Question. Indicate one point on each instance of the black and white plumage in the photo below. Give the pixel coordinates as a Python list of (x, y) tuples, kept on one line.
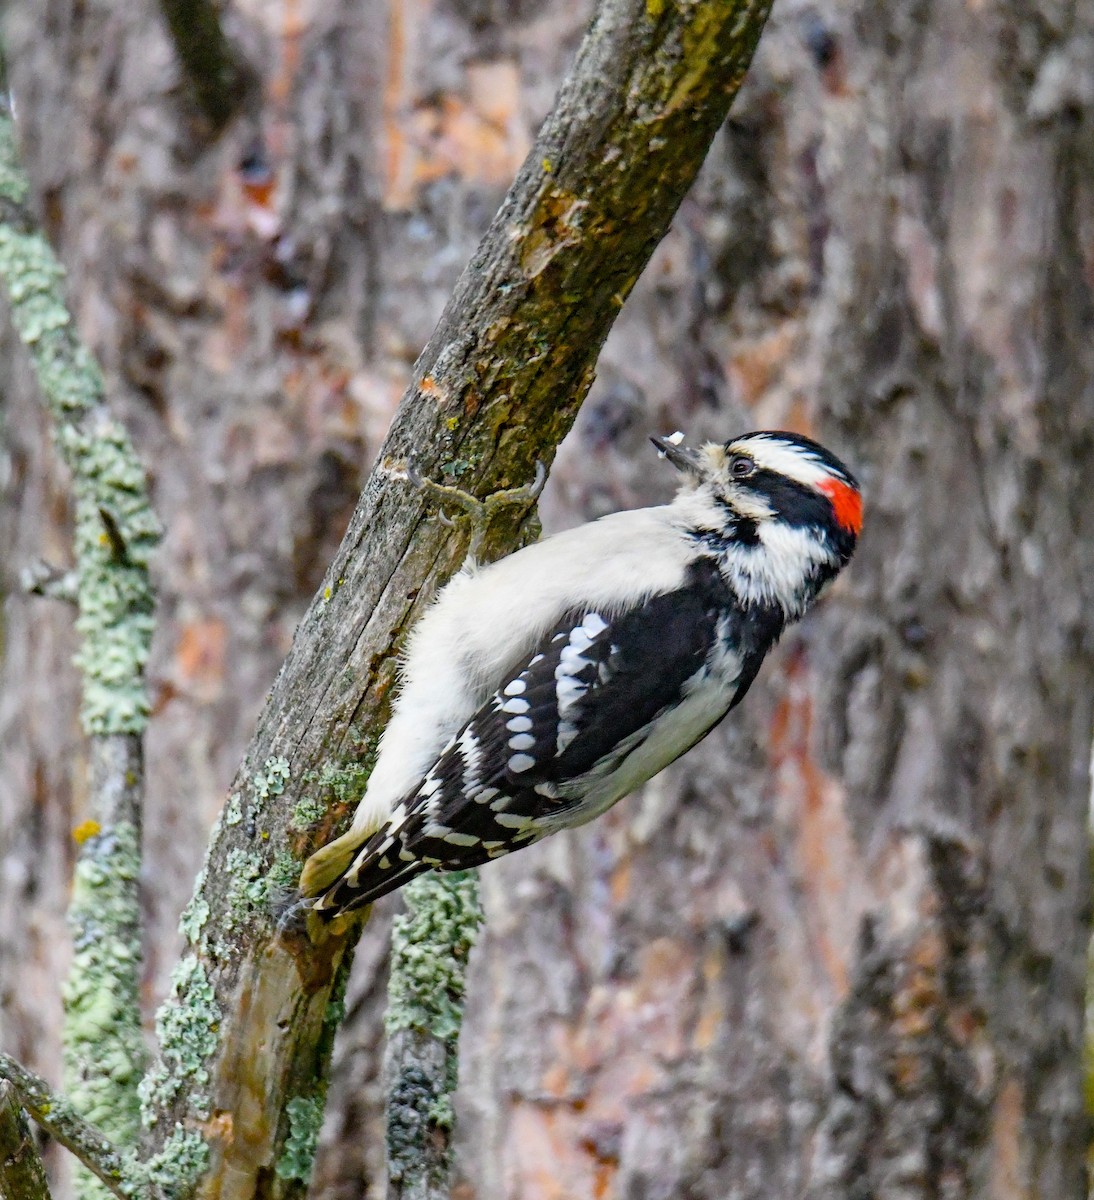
[(538, 691)]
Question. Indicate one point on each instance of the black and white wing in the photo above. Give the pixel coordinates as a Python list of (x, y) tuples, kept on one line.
[(601, 705)]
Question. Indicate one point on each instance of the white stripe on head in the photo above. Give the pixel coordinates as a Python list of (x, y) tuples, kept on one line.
[(796, 462)]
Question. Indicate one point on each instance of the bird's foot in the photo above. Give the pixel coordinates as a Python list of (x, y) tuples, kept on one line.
[(480, 513)]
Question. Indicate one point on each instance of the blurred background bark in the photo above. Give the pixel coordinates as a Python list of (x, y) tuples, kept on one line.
[(837, 951)]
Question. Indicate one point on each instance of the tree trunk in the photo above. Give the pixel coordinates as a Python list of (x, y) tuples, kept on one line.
[(839, 950)]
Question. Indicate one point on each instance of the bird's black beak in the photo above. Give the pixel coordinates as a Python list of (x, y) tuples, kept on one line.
[(681, 457)]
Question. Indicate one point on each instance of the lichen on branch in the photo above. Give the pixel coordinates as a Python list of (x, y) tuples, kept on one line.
[(430, 947), (115, 534)]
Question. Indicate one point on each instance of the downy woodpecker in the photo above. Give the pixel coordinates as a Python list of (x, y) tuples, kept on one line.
[(539, 690)]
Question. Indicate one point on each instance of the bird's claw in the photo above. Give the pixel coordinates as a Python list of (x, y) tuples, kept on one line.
[(479, 512)]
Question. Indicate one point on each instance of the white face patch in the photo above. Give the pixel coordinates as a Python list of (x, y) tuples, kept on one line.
[(773, 454), (780, 569)]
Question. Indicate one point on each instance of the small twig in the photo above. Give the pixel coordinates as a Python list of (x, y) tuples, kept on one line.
[(58, 1118), (118, 549), (22, 1176), (55, 583)]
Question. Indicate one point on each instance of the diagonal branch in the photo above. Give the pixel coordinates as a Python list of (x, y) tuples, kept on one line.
[(61, 1121), (247, 1034)]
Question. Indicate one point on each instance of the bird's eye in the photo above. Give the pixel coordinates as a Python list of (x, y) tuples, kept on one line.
[(741, 467)]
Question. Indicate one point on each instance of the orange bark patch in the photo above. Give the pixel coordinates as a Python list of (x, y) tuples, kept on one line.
[(754, 366), (712, 1014), (621, 882), (814, 804), (477, 134), (200, 655), (430, 387), (1007, 1176)]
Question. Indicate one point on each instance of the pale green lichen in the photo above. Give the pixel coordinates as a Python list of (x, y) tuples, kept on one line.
[(115, 527), (305, 1115), (187, 1027), (270, 781), (348, 781), (194, 916), (430, 946), (233, 810), (175, 1171), (247, 887), (104, 1050), (254, 887), (308, 812), (283, 874)]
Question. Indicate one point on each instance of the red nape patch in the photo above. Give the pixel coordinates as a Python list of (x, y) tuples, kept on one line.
[(846, 503)]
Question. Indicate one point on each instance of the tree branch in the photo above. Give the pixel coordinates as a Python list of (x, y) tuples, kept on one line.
[(430, 946), (60, 1120), (22, 1176), (496, 389), (115, 534)]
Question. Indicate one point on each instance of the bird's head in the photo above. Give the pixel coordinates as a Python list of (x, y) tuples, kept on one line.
[(781, 512)]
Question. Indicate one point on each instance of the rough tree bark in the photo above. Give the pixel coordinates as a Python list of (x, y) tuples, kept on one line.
[(245, 1036), (837, 952)]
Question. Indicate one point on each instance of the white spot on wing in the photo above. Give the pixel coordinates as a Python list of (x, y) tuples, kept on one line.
[(515, 687), (521, 741), (521, 762), (519, 724), (593, 624), (567, 693), (516, 705), (567, 731), (570, 662), (472, 757), (510, 821), (461, 839), (579, 639)]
